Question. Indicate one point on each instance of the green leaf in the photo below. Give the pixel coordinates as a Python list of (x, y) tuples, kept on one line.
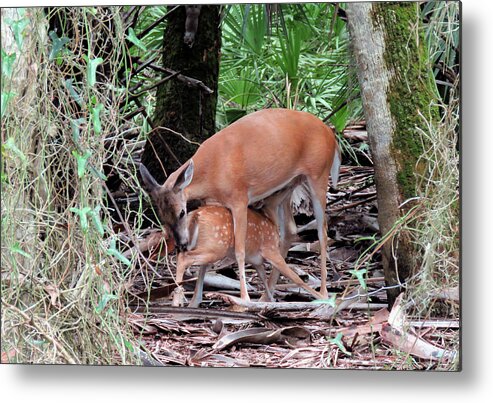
[(92, 65), (240, 87), (359, 274), (81, 161), (96, 220), (338, 342), (6, 97), (11, 146), (324, 103), (340, 118), (82, 213), (331, 301), (75, 124), (136, 41), (365, 238), (73, 92), (15, 248), (18, 30), (104, 301), (289, 57), (95, 112), (128, 345), (112, 251), (8, 63), (57, 44)]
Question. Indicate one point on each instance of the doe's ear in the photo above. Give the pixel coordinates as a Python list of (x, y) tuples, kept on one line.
[(150, 183), (184, 178)]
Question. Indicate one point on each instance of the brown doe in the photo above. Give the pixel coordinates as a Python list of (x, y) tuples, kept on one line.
[(246, 162)]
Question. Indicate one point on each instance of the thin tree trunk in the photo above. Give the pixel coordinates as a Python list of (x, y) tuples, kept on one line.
[(397, 92), (184, 108)]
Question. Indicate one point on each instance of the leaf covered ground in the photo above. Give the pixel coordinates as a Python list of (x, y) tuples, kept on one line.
[(295, 332)]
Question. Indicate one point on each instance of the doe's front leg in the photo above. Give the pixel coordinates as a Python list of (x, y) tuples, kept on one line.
[(240, 231)]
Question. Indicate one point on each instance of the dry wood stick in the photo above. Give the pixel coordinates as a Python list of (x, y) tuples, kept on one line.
[(191, 82), (193, 312), (348, 206)]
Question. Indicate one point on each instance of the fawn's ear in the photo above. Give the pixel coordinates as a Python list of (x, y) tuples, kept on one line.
[(184, 178), (150, 183)]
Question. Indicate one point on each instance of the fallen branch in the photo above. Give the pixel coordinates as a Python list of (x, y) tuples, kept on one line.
[(436, 324), (223, 282), (321, 309), (201, 313), (395, 332), (257, 306), (411, 344)]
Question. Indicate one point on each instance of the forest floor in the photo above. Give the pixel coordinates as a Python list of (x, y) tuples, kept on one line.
[(293, 332)]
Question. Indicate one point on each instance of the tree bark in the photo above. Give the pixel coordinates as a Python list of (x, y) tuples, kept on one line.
[(193, 50), (397, 92)]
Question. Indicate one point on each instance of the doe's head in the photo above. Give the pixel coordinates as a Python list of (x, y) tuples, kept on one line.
[(170, 201)]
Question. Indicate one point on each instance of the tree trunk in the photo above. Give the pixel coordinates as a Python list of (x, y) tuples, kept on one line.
[(193, 50), (397, 93)]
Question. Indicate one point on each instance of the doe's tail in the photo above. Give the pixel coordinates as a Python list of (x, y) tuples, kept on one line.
[(336, 165)]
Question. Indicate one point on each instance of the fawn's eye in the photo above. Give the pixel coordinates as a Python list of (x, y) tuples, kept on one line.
[(182, 213)]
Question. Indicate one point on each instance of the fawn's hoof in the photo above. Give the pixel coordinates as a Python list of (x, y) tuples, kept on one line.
[(178, 297)]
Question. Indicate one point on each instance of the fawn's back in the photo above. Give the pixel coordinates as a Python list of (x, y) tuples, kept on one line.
[(211, 230)]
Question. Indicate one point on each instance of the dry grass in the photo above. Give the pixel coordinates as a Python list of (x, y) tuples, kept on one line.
[(63, 293)]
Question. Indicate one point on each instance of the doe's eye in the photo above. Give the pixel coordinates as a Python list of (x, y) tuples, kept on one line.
[(182, 213)]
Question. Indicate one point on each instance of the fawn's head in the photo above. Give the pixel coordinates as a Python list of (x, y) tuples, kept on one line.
[(170, 201)]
